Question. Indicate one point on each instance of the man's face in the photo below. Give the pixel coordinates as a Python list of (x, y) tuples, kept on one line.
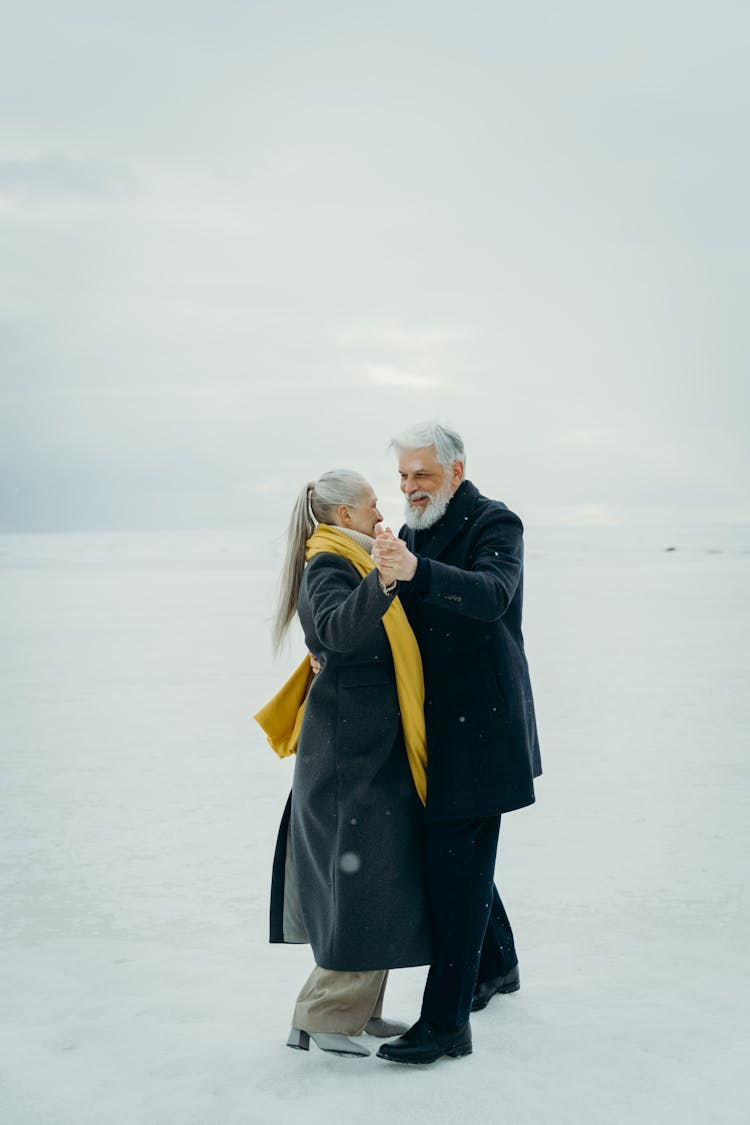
[(426, 485)]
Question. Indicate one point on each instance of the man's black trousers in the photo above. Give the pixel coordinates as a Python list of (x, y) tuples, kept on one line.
[(472, 932)]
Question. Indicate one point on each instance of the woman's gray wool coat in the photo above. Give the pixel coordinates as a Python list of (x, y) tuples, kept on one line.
[(349, 870)]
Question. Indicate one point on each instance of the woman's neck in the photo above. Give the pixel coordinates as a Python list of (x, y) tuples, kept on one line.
[(365, 541)]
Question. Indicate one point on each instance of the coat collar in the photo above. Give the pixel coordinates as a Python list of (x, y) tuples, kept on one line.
[(435, 540)]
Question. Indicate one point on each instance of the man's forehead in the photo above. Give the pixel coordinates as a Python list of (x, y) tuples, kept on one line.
[(418, 459)]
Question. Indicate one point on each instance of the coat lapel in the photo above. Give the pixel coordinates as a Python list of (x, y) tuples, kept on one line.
[(435, 540)]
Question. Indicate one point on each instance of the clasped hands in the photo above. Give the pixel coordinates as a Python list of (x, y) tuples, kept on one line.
[(392, 557)]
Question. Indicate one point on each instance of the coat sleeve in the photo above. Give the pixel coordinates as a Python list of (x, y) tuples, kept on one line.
[(345, 609), (485, 588)]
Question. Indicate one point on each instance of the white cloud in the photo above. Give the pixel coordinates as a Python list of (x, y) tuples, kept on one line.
[(405, 339), (387, 375)]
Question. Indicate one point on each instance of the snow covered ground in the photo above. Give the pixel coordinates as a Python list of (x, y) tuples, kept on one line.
[(139, 805)]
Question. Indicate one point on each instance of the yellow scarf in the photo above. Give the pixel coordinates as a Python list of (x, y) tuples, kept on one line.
[(281, 718)]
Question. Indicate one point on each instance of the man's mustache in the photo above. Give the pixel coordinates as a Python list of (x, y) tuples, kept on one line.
[(419, 496)]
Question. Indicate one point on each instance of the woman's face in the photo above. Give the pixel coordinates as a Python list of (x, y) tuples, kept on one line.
[(365, 516)]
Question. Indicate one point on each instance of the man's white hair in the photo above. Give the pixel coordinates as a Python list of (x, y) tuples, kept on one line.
[(447, 444)]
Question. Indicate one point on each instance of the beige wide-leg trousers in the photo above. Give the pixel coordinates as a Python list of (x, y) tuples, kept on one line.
[(339, 1002)]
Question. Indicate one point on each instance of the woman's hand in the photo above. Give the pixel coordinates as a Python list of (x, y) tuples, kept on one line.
[(385, 571)]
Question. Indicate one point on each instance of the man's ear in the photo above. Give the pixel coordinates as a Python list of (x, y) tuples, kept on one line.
[(457, 474)]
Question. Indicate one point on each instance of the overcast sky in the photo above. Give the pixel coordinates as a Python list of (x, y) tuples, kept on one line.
[(244, 242)]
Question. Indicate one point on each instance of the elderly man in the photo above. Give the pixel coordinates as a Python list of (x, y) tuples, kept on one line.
[(459, 564)]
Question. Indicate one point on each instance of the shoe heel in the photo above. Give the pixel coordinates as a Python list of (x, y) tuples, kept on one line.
[(298, 1039), (460, 1052), (514, 983)]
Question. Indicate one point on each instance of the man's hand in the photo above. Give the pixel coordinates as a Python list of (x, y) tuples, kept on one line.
[(393, 558)]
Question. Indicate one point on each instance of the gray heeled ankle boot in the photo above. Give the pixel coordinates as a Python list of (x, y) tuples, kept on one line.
[(326, 1041)]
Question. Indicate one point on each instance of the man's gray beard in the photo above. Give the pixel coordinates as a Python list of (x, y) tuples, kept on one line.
[(434, 511)]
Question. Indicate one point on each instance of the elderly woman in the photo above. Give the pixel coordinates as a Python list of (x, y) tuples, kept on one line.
[(348, 871)]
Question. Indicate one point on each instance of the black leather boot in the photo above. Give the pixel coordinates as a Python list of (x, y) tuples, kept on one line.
[(426, 1043), (484, 992)]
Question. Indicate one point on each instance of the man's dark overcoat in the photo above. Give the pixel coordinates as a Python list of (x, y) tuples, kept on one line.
[(464, 605), (349, 866)]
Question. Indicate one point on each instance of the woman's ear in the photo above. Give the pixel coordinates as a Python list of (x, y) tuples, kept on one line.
[(342, 514)]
